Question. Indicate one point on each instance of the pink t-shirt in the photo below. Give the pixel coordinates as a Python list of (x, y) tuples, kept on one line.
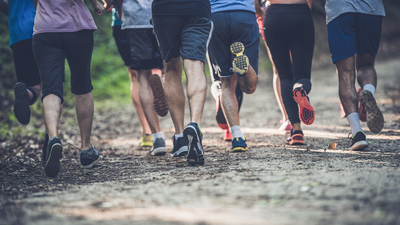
[(62, 16)]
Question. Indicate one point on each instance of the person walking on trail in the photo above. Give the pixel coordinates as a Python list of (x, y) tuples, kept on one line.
[(354, 32), (122, 43), (183, 29), (286, 126), (57, 35), (234, 44), (145, 56), (289, 33), (21, 16)]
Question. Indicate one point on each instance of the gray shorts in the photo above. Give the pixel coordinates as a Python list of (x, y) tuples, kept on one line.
[(187, 37), (145, 54)]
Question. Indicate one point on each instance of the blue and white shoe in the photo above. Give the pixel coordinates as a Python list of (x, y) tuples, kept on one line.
[(53, 156), (180, 147), (158, 148), (89, 157), (239, 144), (193, 135)]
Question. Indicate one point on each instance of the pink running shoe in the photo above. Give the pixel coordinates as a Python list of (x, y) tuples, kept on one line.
[(228, 135), (286, 126)]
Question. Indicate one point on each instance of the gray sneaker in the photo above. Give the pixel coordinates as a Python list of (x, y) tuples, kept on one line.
[(375, 118), (158, 148)]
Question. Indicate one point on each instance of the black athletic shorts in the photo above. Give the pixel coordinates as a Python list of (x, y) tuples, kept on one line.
[(25, 64)]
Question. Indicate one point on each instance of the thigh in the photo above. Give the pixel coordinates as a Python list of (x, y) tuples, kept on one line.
[(302, 46), (50, 60), (25, 64), (168, 34), (144, 50), (78, 47), (195, 36), (218, 48), (277, 37), (342, 36), (244, 28), (369, 29)]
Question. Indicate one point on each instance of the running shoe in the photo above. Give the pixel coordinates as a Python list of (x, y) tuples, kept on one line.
[(239, 144), (194, 137), (21, 105), (160, 104), (286, 126), (240, 62), (306, 111), (44, 149), (296, 138), (228, 135), (375, 118), (180, 147), (358, 141), (361, 111), (89, 157), (146, 141), (219, 114), (53, 156), (158, 147)]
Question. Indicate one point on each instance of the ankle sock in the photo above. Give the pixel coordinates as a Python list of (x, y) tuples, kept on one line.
[(354, 121), (158, 135), (236, 132), (370, 88), (34, 95), (178, 136)]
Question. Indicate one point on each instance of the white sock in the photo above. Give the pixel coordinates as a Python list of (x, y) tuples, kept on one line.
[(236, 132), (354, 121), (370, 88), (158, 135), (178, 136)]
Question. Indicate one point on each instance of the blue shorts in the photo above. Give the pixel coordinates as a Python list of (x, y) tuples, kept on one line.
[(230, 27), (350, 33), (121, 40), (187, 37)]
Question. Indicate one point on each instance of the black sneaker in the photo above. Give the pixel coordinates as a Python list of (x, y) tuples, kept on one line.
[(53, 156), (89, 157), (44, 149), (194, 138), (158, 147), (180, 147), (358, 141), (21, 105)]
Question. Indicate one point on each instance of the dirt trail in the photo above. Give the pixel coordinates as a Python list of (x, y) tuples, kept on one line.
[(272, 183)]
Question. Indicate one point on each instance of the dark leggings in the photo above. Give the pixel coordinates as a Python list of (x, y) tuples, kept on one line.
[(289, 33)]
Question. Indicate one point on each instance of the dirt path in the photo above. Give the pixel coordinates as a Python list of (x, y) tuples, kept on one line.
[(270, 184)]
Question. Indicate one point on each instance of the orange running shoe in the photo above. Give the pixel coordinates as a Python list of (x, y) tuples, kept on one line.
[(296, 138), (228, 135), (306, 111)]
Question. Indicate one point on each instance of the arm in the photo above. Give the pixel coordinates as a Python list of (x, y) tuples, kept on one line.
[(107, 5), (4, 7), (259, 11), (118, 5), (97, 6)]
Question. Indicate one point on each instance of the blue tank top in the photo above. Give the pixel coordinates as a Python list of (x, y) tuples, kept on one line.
[(21, 18)]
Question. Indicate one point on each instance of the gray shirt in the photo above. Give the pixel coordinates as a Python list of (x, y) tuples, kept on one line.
[(136, 14), (335, 8)]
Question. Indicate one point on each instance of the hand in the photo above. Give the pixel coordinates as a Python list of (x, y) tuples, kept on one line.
[(107, 5), (98, 7)]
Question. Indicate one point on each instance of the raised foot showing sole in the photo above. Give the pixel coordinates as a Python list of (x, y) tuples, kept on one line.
[(375, 118), (21, 105), (160, 104), (306, 111), (52, 166)]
